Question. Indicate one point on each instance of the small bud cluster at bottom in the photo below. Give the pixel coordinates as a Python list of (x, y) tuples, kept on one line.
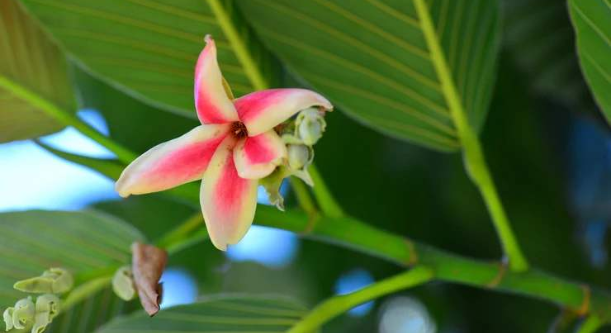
[(35, 316)]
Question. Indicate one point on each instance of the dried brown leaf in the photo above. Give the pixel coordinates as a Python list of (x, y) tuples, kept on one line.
[(148, 263)]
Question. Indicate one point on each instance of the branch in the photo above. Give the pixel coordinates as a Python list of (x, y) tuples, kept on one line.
[(356, 235), (340, 304)]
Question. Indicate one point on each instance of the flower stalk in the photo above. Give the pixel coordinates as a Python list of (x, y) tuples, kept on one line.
[(337, 305)]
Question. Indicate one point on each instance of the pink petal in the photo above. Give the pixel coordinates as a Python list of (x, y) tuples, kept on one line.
[(228, 201), (263, 110), (211, 101), (257, 156), (172, 163)]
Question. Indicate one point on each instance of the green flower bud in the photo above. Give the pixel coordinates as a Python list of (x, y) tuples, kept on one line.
[(298, 156), (123, 283), (63, 280), (8, 318), (299, 159), (48, 303), (310, 125), (52, 281), (41, 321), (23, 315)]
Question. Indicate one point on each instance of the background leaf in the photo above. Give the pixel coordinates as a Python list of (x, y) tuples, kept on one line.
[(259, 314), (538, 35), (372, 60), (31, 61), (593, 26), (147, 47), (82, 242)]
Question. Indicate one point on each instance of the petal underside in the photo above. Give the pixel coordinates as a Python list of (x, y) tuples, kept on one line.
[(263, 110), (228, 201), (172, 163)]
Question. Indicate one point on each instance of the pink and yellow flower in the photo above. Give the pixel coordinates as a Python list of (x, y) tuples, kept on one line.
[(234, 147)]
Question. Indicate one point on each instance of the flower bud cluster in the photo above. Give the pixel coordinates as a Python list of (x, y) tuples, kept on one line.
[(36, 315), (300, 135)]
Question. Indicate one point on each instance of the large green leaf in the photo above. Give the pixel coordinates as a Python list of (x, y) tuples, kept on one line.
[(259, 314), (82, 242), (592, 21), (538, 34), (30, 62), (375, 59), (149, 47)]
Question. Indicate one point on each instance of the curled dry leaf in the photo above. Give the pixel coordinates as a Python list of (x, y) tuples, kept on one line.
[(148, 263)]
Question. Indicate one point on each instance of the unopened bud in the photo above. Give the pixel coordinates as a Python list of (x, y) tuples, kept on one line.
[(298, 156), (23, 314), (48, 303), (123, 283), (41, 321), (310, 126)]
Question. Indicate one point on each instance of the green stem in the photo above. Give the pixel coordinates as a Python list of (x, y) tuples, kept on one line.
[(590, 325), (474, 157), (84, 291), (340, 304), (239, 45), (303, 196), (178, 238), (325, 199), (337, 305), (66, 118)]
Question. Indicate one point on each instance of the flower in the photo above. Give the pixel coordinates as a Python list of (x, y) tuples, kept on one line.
[(235, 146)]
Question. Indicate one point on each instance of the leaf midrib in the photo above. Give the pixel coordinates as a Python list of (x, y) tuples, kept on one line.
[(239, 46), (448, 87)]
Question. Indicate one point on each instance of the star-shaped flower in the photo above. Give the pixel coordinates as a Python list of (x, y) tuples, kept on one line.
[(235, 146)]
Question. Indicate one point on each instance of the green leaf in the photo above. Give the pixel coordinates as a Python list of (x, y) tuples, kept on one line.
[(591, 19), (149, 48), (81, 242), (375, 59), (31, 63), (539, 37), (259, 314)]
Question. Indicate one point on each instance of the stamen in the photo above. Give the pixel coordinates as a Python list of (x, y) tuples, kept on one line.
[(239, 129)]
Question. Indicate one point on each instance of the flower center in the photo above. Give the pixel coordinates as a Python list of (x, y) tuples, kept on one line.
[(239, 129)]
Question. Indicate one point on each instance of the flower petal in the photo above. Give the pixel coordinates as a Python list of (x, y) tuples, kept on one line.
[(211, 101), (257, 156), (172, 163), (228, 201), (263, 110)]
